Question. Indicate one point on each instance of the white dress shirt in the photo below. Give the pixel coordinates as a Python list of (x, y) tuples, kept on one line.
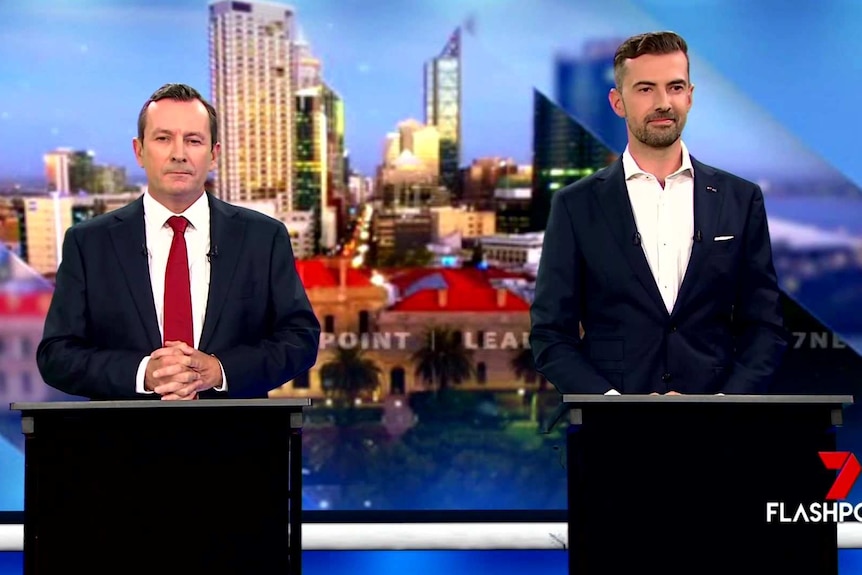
[(665, 221), (159, 236)]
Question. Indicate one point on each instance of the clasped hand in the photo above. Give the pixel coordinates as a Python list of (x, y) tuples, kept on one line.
[(179, 371)]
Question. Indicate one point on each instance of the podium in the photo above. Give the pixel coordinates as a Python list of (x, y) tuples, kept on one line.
[(145, 486), (680, 484)]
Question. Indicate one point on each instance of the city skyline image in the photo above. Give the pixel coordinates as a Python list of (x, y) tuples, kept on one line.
[(377, 92), (99, 60)]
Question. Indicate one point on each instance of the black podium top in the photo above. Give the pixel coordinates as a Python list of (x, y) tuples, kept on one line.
[(572, 398), (147, 404), (574, 403)]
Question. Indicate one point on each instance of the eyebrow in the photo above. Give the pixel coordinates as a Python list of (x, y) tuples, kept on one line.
[(671, 83), (187, 134)]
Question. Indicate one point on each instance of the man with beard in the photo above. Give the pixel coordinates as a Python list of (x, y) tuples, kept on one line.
[(656, 273)]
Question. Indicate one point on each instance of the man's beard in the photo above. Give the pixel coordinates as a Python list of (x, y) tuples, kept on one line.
[(655, 137)]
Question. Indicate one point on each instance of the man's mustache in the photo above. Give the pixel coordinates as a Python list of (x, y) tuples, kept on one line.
[(661, 116)]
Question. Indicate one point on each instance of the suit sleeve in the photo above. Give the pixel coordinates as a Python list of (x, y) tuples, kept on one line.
[(66, 357), (761, 339), (292, 344), (555, 313)]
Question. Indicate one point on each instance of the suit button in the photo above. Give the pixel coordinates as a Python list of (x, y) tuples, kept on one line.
[(672, 328), (665, 377)]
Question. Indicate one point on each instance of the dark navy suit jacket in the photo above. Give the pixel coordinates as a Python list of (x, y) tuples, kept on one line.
[(102, 320), (725, 332)]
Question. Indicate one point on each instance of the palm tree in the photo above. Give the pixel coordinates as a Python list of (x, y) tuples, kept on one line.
[(443, 360), (524, 366), (349, 374)]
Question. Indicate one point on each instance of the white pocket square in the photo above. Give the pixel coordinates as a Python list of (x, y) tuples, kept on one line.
[(722, 238)]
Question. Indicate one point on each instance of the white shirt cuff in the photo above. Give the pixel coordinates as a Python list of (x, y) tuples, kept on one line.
[(612, 392), (139, 378), (223, 386)]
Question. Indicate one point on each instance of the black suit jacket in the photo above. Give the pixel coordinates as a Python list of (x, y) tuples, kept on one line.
[(102, 319), (725, 333)]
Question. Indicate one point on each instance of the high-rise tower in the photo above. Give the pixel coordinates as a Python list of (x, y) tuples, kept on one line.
[(253, 93)]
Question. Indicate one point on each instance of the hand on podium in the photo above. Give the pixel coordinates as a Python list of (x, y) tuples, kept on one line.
[(668, 393), (172, 373), (206, 372)]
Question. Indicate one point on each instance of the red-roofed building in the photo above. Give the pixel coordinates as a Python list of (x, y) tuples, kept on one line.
[(23, 307), (491, 320), (29, 306), (346, 302)]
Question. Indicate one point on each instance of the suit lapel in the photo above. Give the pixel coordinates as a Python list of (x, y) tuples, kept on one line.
[(708, 199), (227, 233), (614, 200), (129, 239)]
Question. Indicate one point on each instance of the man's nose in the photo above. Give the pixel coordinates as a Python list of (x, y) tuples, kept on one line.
[(178, 151), (662, 102)]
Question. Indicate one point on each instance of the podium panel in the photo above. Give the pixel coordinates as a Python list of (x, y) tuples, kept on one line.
[(207, 486), (680, 484)]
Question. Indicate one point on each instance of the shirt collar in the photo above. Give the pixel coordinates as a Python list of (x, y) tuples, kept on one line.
[(631, 168), (157, 215)]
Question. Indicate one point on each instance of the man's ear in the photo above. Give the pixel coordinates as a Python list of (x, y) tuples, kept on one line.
[(138, 148), (615, 98), (214, 156)]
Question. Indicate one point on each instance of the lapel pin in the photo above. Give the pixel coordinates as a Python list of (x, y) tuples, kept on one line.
[(710, 189)]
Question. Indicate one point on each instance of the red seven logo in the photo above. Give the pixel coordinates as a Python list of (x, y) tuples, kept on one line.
[(849, 468)]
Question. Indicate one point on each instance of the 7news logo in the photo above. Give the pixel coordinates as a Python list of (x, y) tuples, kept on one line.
[(833, 509)]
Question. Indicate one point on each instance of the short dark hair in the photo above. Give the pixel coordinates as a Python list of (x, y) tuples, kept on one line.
[(647, 43), (183, 93)]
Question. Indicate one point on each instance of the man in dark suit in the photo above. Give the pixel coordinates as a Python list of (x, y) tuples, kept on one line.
[(664, 262), (177, 295)]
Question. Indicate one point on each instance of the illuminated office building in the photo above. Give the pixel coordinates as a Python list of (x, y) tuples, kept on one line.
[(57, 170), (252, 79), (310, 156), (443, 106), (563, 153), (306, 67), (337, 201), (42, 222), (410, 172), (333, 106), (71, 171), (319, 181)]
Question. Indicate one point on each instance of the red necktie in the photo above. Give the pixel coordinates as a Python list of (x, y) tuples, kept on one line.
[(178, 293)]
